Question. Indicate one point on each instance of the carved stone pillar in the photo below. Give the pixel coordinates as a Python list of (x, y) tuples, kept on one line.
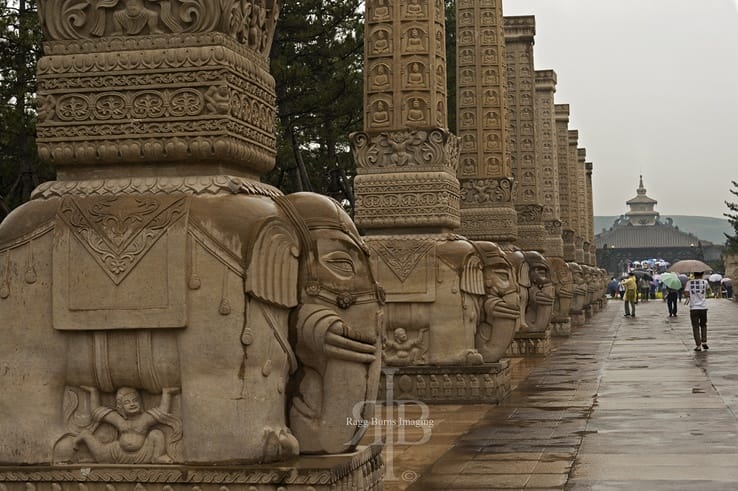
[(406, 159), (408, 204), (575, 195), (565, 185), (582, 221), (487, 209), (590, 217), (547, 153), (519, 34)]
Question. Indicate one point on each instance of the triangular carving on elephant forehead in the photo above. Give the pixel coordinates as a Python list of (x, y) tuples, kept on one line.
[(117, 258), (402, 257)]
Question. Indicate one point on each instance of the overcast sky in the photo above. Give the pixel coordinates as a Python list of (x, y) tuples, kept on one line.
[(653, 89)]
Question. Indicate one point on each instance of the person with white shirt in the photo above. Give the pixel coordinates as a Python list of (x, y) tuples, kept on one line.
[(696, 290)]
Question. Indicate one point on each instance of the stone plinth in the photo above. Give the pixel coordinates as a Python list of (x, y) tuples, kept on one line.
[(531, 343), (561, 328), (359, 470), (488, 383)]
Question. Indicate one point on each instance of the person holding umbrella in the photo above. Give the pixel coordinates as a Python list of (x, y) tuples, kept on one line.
[(631, 294), (673, 286), (696, 290)]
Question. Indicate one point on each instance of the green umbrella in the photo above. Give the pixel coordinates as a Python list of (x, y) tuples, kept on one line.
[(671, 280)]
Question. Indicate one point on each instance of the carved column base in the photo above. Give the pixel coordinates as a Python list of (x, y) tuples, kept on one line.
[(588, 312), (360, 470), (496, 224), (531, 343), (532, 237), (579, 256), (554, 246), (596, 307), (488, 383), (578, 319), (561, 328)]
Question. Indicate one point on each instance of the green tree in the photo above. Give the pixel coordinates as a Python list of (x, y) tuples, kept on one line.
[(732, 243), (20, 48), (317, 61)]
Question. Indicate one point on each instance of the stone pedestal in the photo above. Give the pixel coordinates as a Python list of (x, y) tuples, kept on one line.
[(561, 329), (531, 343), (488, 383), (578, 319), (362, 469)]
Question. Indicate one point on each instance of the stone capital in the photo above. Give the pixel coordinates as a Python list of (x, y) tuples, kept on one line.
[(545, 80), (520, 28)]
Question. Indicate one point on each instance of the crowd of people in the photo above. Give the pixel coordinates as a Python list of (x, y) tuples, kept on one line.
[(643, 286)]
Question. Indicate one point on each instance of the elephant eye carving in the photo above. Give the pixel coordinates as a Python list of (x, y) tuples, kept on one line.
[(341, 263)]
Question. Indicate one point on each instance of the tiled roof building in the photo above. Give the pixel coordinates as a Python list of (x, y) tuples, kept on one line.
[(640, 234)]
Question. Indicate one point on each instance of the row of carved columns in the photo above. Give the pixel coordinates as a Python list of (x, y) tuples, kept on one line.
[(513, 182)]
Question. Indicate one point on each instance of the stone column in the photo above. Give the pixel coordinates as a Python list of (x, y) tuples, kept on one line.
[(547, 152), (406, 158), (582, 220), (519, 34), (408, 205), (547, 142), (487, 208), (572, 235), (565, 203), (590, 216), (575, 195)]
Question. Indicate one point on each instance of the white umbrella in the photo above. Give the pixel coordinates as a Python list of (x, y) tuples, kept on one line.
[(714, 278)]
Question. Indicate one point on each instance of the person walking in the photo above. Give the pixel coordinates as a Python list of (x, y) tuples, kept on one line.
[(672, 300), (727, 283), (696, 290), (631, 294)]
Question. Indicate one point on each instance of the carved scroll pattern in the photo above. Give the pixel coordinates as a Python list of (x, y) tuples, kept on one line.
[(118, 232)]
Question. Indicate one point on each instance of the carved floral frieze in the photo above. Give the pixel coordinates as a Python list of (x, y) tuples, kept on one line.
[(404, 151)]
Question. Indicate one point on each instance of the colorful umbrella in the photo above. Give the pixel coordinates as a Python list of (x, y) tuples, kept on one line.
[(671, 280), (690, 266)]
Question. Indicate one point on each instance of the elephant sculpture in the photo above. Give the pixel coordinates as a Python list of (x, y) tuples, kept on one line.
[(580, 293), (441, 297), (536, 289), (564, 290), (501, 304), (164, 321), (541, 292)]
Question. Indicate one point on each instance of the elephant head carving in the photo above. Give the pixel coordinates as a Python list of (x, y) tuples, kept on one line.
[(500, 312)]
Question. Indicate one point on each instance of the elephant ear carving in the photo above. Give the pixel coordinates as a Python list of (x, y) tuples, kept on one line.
[(472, 278), (274, 266)]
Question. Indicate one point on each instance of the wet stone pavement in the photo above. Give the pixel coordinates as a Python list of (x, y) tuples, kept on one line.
[(623, 403)]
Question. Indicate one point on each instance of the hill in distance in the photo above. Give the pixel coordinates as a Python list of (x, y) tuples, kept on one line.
[(706, 228)]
